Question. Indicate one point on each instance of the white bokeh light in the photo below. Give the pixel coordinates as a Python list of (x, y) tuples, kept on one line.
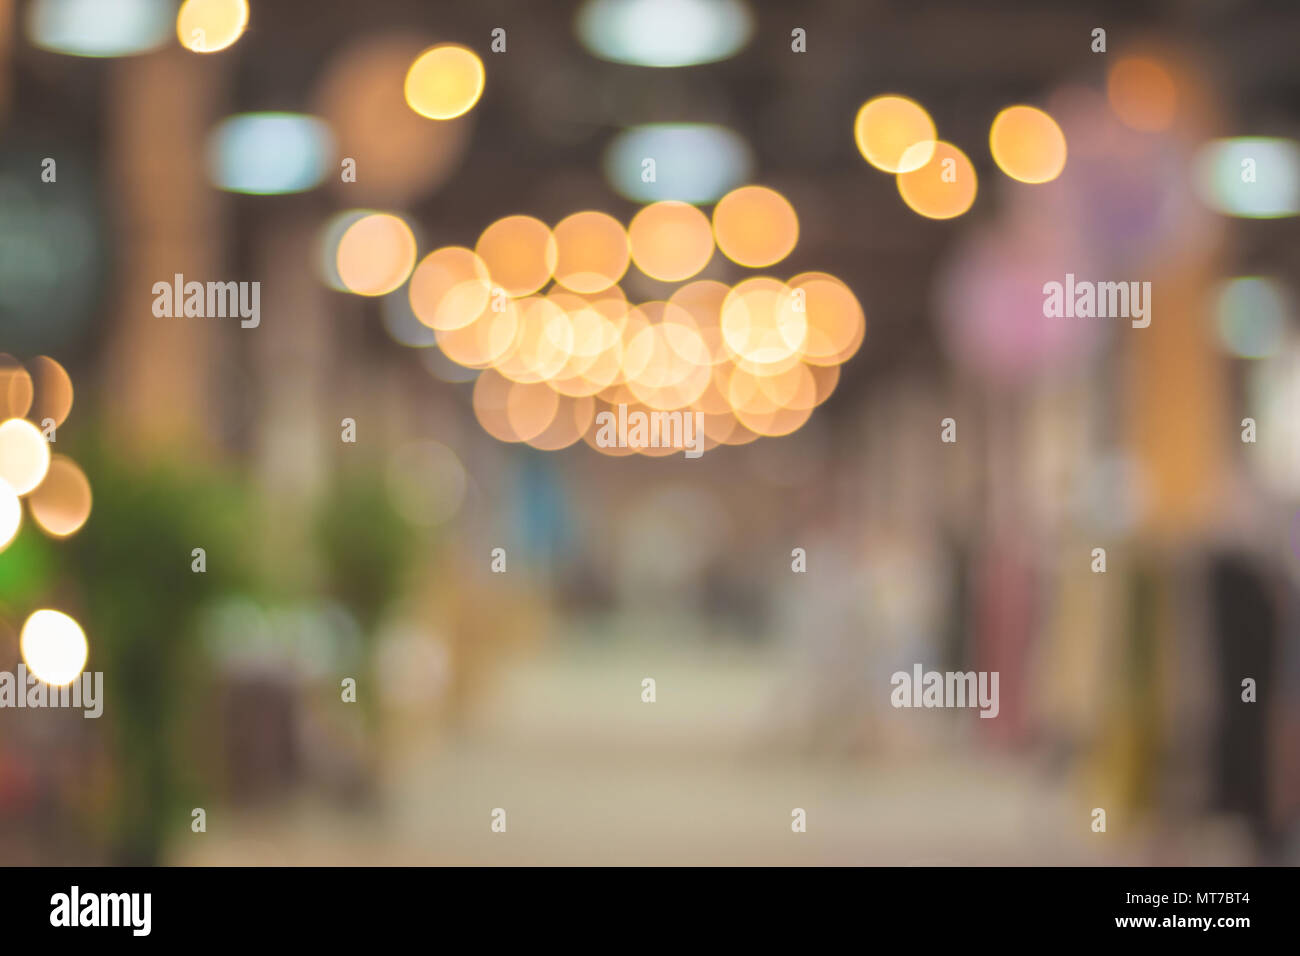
[(53, 647)]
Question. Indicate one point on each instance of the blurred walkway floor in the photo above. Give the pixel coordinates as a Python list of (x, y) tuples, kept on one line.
[(588, 774)]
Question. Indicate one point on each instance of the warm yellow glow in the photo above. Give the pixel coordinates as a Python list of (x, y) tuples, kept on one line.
[(491, 397), (597, 359), (602, 373), (592, 251), (745, 393), (666, 363), (11, 514), (487, 339), (444, 82), (943, 188), (61, 503), (772, 405), (795, 388), (572, 419), (736, 434), (755, 226), (718, 426), (886, 129), (53, 390), (24, 455), (531, 407), (825, 378), (670, 240), (53, 647), (15, 388), (753, 360), (756, 329), (703, 300), (376, 254), (520, 254), (773, 424), (544, 343), (206, 26), (1027, 144), (1142, 93), (450, 288), (836, 324), (713, 399), (399, 154), (589, 436), (596, 325)]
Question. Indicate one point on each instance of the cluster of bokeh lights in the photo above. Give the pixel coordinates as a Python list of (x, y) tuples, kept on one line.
[(539, 313), (936, 179), (54, 486), (56, 493)]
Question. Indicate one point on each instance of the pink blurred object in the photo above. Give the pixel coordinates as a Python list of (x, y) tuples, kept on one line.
[(991, 309)]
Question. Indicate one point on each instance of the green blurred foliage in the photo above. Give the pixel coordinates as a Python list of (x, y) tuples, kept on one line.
[(366, 549), (365, 545), (28, 569), (133, 562), (127, 577)]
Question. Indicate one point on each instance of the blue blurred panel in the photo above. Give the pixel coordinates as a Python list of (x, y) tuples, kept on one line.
[(694, 163), (270, 153), (101, 27), (664, 33), (1251, 314), (1251, 177)]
